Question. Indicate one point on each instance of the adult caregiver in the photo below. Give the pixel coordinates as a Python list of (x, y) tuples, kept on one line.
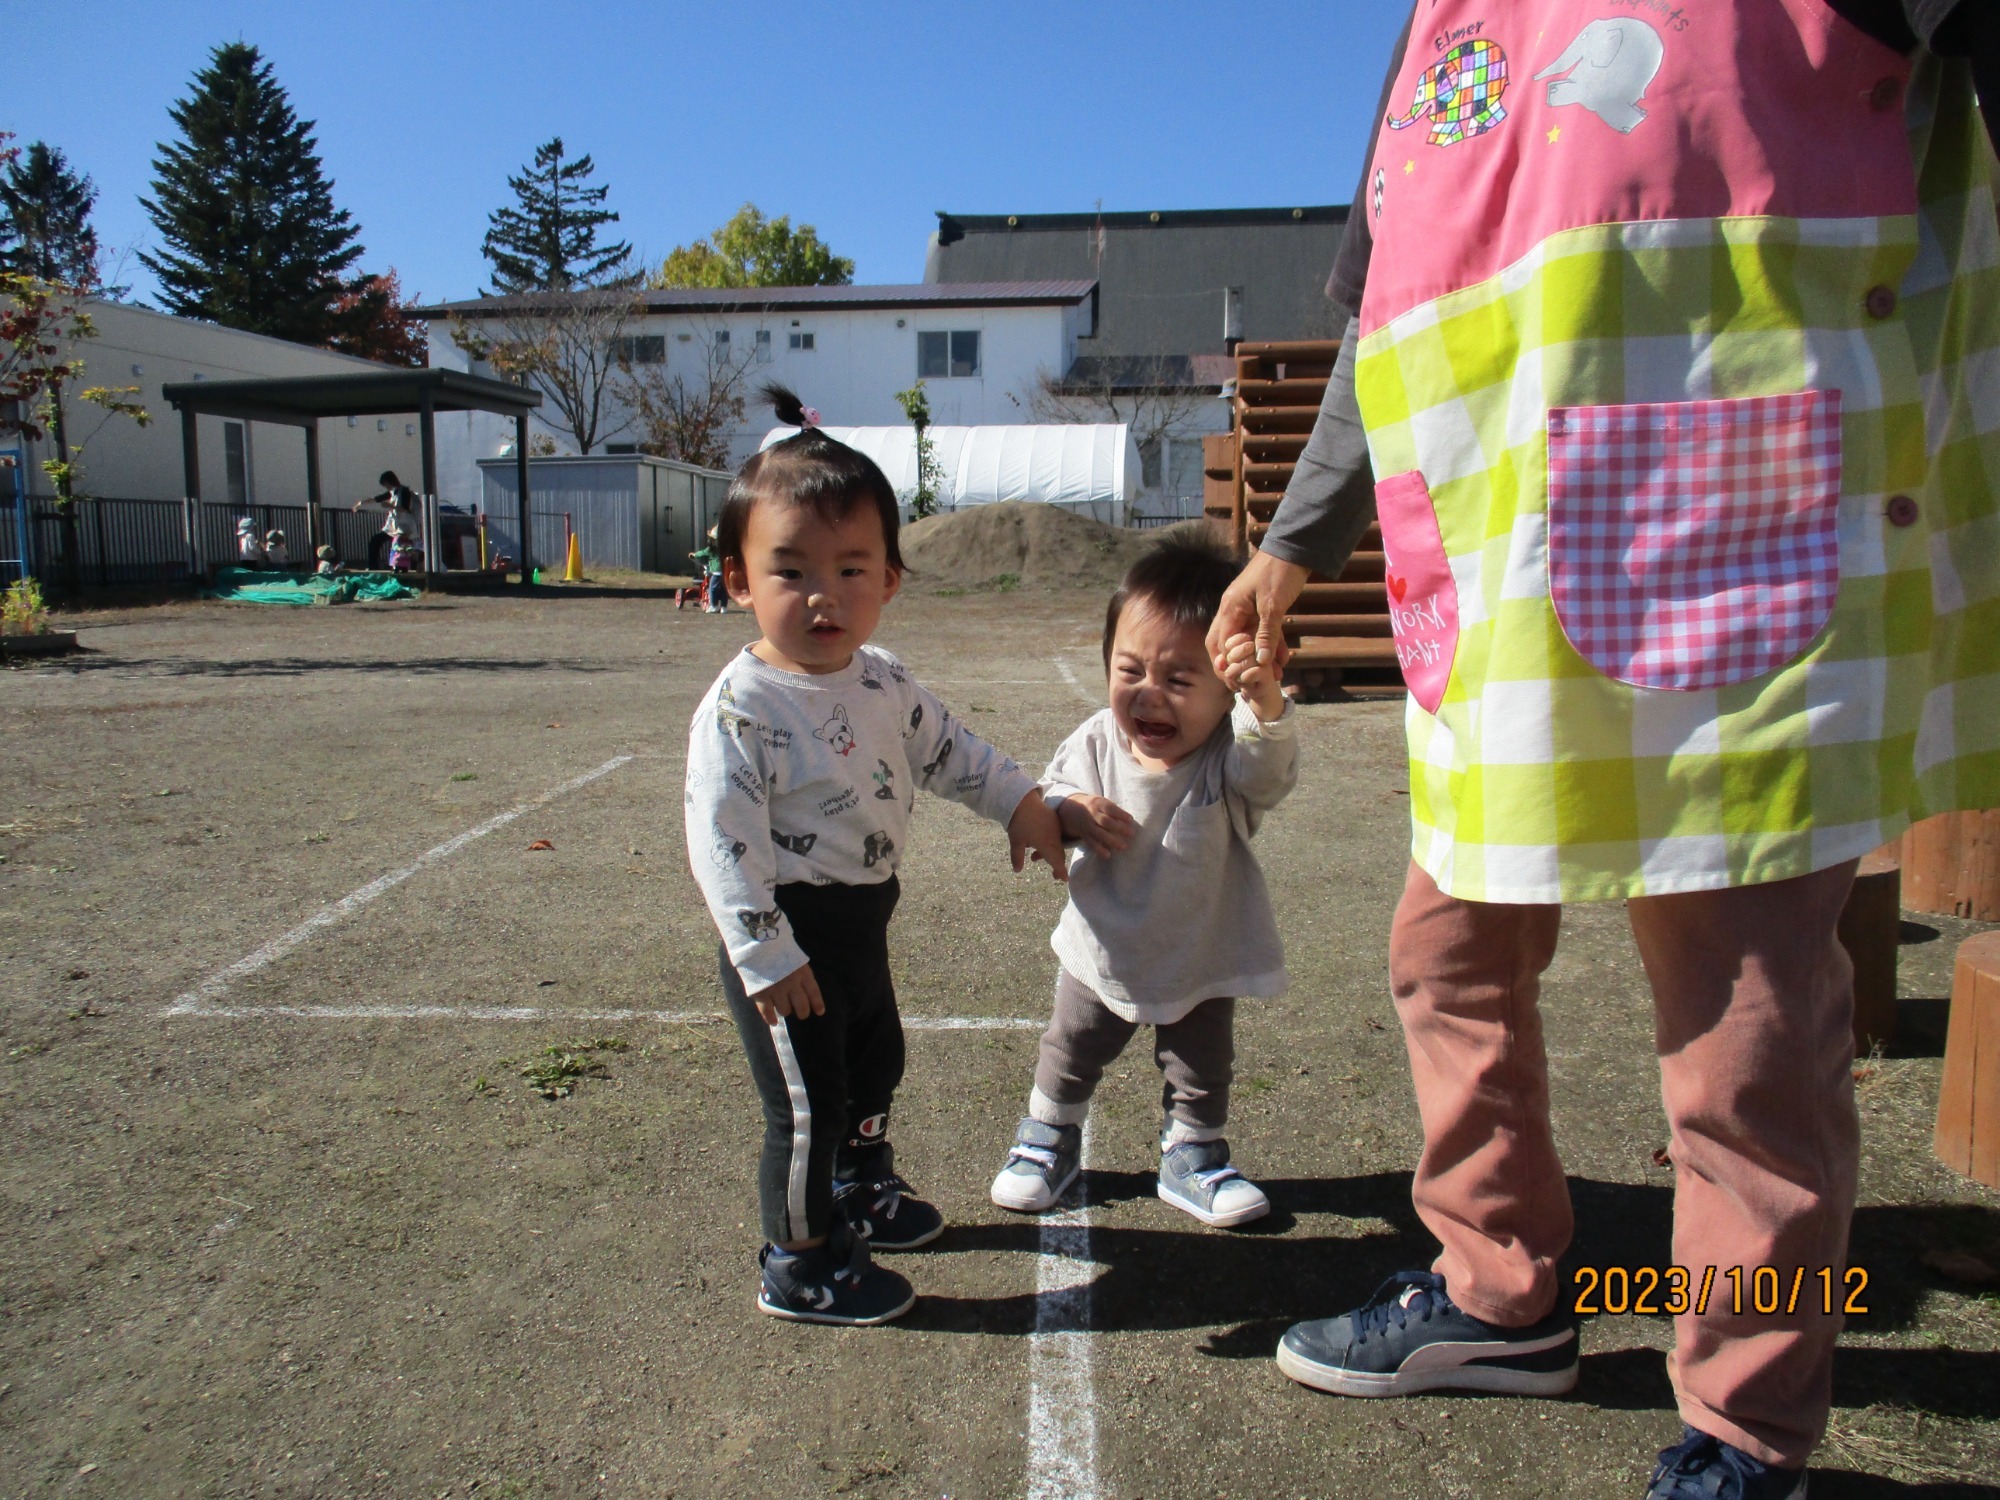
[(1677, 355)]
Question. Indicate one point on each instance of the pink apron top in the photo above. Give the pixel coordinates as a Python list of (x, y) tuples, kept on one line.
[(1516, 121)]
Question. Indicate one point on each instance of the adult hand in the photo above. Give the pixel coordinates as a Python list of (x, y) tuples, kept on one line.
[(1034, 828), (797, 994), (1098, 823), (1255, 605)]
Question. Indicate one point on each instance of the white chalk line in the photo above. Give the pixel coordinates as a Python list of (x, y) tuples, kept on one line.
[(214, 986), (551, 1013), (1069, 676), (1062, 1406)]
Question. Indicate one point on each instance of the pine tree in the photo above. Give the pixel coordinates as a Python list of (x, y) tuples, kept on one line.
[(548, 241), (46, 210), (254, 241)]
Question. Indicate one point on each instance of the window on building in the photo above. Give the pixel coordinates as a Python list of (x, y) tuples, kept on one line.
[(640, 349), (236, 463), (722, 342), (942, 355), (620, 450), (802, 341), (763, 346)]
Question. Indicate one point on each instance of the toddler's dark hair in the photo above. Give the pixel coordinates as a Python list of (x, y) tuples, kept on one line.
[(809, 469), (1183, 578)]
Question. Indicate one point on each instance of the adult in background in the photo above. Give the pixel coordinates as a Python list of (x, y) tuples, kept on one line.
[(398, 503), (1677, 357)]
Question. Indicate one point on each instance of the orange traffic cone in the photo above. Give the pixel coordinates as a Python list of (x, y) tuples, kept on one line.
[(573, 568)]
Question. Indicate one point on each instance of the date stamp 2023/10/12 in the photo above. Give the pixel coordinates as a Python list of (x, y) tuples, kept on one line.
[(1765, 1290)]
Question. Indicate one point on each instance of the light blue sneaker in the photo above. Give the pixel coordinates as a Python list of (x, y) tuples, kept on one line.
[(1044, 1162), (1196, 1178)]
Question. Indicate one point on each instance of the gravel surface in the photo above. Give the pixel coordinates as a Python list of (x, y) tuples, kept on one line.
[(334, 1244)]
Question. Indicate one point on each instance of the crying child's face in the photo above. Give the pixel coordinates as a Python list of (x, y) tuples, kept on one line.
[(1165, 695)]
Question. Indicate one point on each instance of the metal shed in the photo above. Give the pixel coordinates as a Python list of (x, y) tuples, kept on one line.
[(628, 510), (303, 400)]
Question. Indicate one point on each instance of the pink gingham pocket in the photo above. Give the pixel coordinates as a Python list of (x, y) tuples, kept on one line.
[(1423, 596), (1694, 544)]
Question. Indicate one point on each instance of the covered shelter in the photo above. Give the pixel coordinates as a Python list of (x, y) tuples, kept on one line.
[(303, 400), (1091, 468)]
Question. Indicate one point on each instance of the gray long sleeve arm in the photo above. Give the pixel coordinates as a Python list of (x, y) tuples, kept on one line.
[(1331, 498)]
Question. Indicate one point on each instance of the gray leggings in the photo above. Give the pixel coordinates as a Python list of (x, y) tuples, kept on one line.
[(1196, 1054)]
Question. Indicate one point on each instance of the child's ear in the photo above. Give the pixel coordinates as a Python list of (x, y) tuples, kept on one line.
[(736, 580), (891, 583)]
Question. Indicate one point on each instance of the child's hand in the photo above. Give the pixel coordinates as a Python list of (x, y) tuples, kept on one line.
[(1034, 827), (1098, 823), (1257, 682), (797, 994)]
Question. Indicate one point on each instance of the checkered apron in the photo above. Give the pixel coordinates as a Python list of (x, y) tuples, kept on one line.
[(1688, 476)]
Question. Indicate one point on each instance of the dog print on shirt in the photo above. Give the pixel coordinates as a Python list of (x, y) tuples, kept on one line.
[(761, 925), (837, 732)]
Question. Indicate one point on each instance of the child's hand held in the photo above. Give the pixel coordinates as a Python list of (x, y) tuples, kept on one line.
[(1098, 823), (1034, 829)]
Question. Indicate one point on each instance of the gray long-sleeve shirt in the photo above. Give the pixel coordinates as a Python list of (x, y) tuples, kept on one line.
[(1182, 915)]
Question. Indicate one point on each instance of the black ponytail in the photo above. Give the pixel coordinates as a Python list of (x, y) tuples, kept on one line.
[(810, 469)]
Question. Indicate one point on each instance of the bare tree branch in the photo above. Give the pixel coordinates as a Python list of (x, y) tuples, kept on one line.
[(566, 345), (1154, 395), (686, 408)]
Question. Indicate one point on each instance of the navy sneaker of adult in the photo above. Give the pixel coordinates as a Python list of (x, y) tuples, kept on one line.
[(879, 1204), (1410, 1336), (831, 1283), (1700, 1467)]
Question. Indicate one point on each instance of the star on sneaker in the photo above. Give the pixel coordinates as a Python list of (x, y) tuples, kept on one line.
[(1410, 1337), (1700, 1467), (1044, 1161), (1196, 1178), (832, 1283)]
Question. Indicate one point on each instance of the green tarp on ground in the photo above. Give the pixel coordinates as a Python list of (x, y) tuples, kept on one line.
[(249, 586)]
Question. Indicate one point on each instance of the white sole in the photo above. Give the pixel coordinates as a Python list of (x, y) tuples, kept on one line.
[(773, 1310), (1036, 1205), (1218, 1221), (1413, 1382), (875, 1244)]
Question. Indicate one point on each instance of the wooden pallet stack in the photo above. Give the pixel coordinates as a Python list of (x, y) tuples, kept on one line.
[(1339, 629)]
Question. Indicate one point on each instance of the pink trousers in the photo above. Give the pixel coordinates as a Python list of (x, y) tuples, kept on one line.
[(1753, 1000)]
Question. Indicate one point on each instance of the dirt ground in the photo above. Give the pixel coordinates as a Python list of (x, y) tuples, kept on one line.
[(312, 1233)]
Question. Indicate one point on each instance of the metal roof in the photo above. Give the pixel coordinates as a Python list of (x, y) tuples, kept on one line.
[(1031, 293), (301, 400), (1162, 277)]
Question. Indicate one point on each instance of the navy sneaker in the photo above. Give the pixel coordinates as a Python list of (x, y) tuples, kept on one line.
[(1410, 1337), (1043, 1162), (1700, 1467), (831, 1283), (879, 1204)]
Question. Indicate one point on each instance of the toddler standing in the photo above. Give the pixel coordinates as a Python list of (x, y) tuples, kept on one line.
[(803, 761), (1168, 920)]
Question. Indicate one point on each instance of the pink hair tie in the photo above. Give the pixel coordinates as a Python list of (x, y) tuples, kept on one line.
[(809, 416)]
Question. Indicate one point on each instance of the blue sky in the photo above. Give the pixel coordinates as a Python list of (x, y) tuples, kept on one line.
[(861, 119)]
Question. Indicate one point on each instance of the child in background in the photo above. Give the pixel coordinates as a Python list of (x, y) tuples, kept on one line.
[(803, 760), (1168, 919), (275, 554), (249, 546), (328, 564), (710, 589)]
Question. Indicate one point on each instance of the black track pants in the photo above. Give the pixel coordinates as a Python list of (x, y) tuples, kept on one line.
[(826, 1081)]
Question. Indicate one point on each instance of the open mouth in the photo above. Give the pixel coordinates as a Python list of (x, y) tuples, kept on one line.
[(824, 632), (1153, 731)]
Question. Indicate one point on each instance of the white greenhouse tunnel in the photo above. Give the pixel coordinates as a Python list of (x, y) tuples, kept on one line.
[(1092, 469)]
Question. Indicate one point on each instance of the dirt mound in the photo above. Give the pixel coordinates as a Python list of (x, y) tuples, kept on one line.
[(1019, 543)]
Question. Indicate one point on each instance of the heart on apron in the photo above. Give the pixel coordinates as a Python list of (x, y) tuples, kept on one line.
[(1423, 595)]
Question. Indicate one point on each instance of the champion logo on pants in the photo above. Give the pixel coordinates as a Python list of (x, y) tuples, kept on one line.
[(871, 1130)]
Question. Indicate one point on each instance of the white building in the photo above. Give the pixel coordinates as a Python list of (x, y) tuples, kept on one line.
[(243, 463), (979, 348)]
